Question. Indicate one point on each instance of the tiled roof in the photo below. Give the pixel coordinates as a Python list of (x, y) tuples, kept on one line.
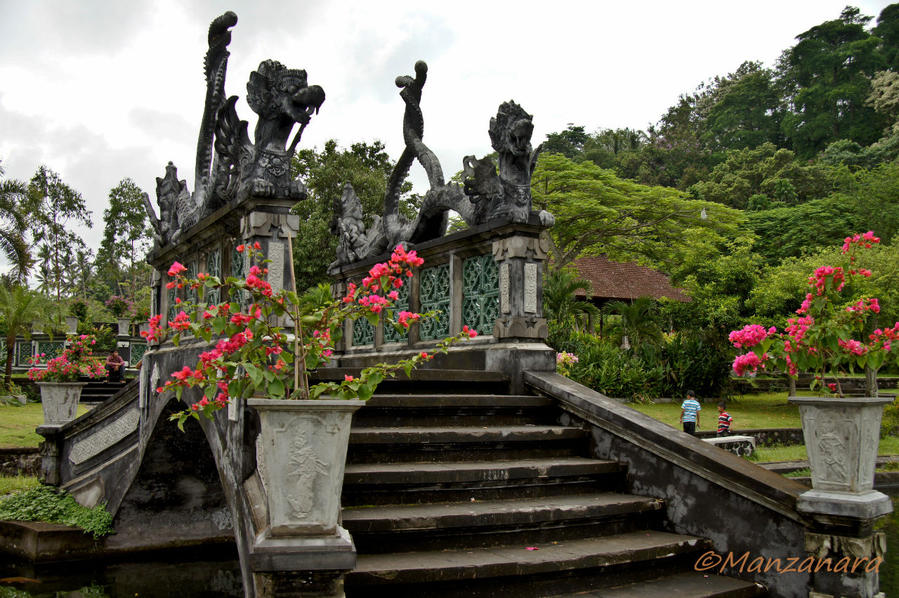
[(617, 280)]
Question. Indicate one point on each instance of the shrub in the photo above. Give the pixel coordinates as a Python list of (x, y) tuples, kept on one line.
[(51, 505)]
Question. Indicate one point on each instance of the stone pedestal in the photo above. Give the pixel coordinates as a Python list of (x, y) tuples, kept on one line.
[(845, 566), (301, 457)]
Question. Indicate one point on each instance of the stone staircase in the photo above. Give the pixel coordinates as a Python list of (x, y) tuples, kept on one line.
[(462, 489)]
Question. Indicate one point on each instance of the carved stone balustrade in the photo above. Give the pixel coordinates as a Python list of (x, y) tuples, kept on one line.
[(488, 277)]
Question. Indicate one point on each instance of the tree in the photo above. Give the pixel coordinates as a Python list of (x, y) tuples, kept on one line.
[(569, 143), (743, 110), (598, 213), (13, 228), (560, 305), (366, 167), (19, 307), (765, 170), (826, 76), (126, 236), (887, 30), (52, 208), (638, 320), (867, 200)]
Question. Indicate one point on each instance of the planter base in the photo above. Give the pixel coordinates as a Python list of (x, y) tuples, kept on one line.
[(304, 553), (867, 505)]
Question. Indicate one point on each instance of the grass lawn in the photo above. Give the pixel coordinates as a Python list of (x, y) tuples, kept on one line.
[(17, 424), (768, 410), (10, 484), (888, 446)]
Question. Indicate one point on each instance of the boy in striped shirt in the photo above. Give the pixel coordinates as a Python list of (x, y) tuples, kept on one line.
[(724, 420), (689, 413)]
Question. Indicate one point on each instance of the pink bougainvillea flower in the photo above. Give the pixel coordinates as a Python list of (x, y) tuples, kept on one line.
[(176, 269)]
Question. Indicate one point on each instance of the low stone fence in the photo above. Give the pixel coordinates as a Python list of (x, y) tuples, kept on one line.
[(20, 461), (766, 436)]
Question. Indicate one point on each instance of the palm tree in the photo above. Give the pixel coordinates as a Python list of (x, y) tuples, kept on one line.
[(559, 301), (637, 320), (19, 307), (13, 226)]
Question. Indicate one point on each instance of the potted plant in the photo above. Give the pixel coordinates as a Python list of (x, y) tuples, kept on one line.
[(122, 309), (831, 334), (59, 380), (268, 343)]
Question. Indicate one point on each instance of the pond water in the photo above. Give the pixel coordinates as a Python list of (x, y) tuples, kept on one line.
[(218, 575)]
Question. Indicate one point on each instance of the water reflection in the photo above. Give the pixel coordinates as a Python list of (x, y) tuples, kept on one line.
[(148, 579)]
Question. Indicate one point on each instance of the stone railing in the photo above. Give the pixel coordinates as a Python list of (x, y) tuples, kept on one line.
[(488, 277), (131, 348)]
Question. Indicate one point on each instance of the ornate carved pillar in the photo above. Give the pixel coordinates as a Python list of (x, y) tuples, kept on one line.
[(520, 260)]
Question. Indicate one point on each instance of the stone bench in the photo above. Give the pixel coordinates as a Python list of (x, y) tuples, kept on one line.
[(738, 445)]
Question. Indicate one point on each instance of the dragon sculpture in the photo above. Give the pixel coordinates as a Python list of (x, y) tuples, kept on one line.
[(484, 195), (229, 167)]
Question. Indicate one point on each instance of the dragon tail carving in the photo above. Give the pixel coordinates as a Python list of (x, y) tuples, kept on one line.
[(215, 67)]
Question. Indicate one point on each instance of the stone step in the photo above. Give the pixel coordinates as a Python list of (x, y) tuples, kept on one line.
[(516, 570), (477, 523), (413, 483), (681, 585), (463, 443), (400, 410), (428, 381)]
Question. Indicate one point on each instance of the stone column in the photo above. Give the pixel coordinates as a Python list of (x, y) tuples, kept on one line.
[(273, 226), (520, 261)]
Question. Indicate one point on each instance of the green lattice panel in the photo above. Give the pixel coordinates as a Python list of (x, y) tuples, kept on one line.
[(214, 268), (435, 296), (137, 353), (172, 307), (50, 349), (236, 263), (401, 304), (23, 353), (363, 333), (480, 293), (191, 294)]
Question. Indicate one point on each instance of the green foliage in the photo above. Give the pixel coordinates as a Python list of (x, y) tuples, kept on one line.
[(604, 367), (560, 305), (867, 201), (648, 371), (598, 212), (638, 320), (52, 208), (765, 170), (126, 240), (13, 227), (366, 167), (19, 307), (17, 483), (51, 505), (827, 78)]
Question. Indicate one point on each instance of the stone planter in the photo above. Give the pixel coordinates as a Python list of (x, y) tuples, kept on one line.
[(841, 438), (124, 326), (301, 456), (60, 401)]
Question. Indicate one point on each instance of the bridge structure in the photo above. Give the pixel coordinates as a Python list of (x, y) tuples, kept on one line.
[(486, 474)]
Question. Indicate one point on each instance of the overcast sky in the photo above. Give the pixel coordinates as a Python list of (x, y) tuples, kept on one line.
[(99, 91)]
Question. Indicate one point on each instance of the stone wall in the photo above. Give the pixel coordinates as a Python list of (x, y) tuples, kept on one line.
[(20, 461)]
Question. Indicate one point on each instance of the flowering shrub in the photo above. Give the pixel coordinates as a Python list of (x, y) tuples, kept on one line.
[(564, 361), (256, 355), (829, 332), (120, 306), (76, 360)]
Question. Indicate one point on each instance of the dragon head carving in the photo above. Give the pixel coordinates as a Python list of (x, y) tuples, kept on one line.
[(281, 97)]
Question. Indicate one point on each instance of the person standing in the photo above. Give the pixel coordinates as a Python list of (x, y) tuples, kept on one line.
[(724, 420), (689, 413)]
